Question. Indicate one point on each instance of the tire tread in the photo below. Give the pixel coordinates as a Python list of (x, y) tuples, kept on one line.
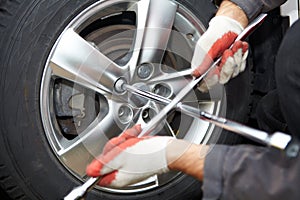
[(9, 186), (8, 9)]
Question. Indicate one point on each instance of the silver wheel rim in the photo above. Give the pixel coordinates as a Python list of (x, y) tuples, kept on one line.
[(72, 73)]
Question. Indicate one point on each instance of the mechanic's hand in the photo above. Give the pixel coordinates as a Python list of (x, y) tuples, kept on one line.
[(127, 159), (214, 43)]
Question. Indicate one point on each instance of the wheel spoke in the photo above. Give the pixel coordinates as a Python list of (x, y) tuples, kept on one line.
[(77, 60), (155, 19), (90, 144)]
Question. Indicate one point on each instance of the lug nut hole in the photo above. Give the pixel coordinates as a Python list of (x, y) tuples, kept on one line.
[(162, 90), (125, 114), (148, 114)]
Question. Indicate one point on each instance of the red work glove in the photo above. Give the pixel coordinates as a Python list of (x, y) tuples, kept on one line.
[(127, 159), (215, 42)]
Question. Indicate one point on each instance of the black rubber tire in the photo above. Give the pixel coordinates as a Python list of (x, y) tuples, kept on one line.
[(28, 167)]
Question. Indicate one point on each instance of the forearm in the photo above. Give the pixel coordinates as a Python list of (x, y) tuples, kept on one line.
[(229, 9), (249, 8), (186, 157), (253, 7)]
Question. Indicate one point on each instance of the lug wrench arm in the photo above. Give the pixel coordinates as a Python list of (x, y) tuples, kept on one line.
[(277, 139)]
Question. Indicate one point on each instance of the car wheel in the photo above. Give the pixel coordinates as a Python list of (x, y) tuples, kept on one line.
[(60, 62)]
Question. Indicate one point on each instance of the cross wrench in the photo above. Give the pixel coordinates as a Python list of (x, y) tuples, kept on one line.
[(81, 191)]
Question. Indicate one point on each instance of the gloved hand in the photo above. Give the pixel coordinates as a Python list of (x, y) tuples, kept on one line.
[(215, 42), (127, 159)]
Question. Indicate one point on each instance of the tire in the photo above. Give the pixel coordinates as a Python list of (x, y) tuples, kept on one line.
[(29, 165)]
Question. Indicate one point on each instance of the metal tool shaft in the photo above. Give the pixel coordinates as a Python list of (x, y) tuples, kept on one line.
[(79, 193), (278, 140)]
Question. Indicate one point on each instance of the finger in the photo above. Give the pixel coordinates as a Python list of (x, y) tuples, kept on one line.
[(227, 70), (227, 54), (120, 179), (129, 133), (108, 179), (245, 47), (114, 159), (245, 56), (227, 66), (237, 46), (105, 164), (215, 51), (209, 83), (207, 62), (222, 44), (132, 132), (240, 69), (238, 60), (112, 144), (240, 56), (243, 66), (102, 166), (210, 80), (93, 169), (240, 46)]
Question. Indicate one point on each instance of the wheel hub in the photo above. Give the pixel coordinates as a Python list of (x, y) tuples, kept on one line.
[(138, 101)]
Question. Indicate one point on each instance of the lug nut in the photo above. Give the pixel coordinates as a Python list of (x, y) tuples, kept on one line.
[(145, 70)]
